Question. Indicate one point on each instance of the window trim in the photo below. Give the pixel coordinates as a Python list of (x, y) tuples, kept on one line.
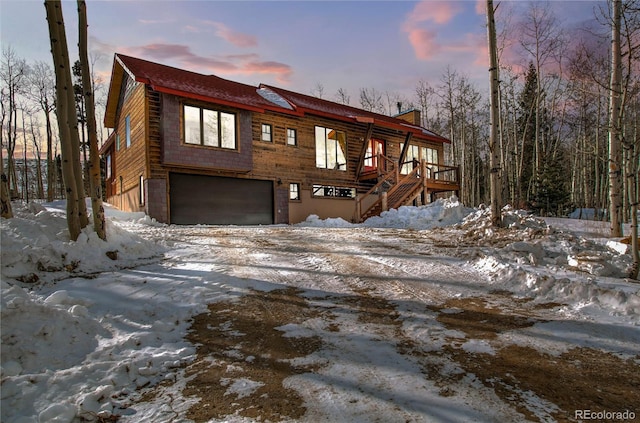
[(297, 185), (333, 191), (268, 133), (127, 128), (342, 167), (220, 142), (295, 137)]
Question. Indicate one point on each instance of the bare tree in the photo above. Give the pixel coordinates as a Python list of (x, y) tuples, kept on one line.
[(424, 94), (342, 96), (67, 121), (13, 72), (542, 38), (318, 90), (5, 197), (43, 92), (34, 126), (494, 163), (615, 130), (94, 164), (371, 100)]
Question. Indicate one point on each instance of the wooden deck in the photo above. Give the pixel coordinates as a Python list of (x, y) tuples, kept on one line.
[(394, 190)]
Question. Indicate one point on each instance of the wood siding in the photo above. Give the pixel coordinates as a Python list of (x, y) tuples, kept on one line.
[(157, 149), (130, 162)]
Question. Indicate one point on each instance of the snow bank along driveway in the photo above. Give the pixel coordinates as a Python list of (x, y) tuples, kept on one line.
[(336, 324)]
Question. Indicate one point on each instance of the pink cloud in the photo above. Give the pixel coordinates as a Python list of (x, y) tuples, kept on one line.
[(239, 64), (236, 38), (221, 30), (422, 40), (424, 43), (281, 71), (438, 12)]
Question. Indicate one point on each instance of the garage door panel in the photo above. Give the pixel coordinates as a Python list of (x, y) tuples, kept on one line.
[(213, 200)]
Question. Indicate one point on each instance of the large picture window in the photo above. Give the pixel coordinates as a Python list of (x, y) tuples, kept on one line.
[(418, 153), (331, 149), (209, 128)]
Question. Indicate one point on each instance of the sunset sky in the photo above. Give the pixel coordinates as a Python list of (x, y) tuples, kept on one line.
[(386, 45)]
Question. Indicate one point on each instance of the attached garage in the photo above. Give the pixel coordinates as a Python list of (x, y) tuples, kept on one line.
[(216, 200)]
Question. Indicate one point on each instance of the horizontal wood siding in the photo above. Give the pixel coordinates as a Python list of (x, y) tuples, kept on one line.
[(279, 161), (155, 150), (131, 161)]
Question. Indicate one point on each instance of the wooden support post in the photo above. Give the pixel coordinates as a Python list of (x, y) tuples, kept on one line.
[(384, 202), (423, 174)]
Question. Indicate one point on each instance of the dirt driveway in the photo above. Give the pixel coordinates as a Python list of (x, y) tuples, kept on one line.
[(338, 318)]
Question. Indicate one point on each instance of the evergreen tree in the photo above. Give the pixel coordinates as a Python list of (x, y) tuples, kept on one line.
[(551, 195), (526, 130)]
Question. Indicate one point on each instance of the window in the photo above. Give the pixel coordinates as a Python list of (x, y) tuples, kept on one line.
[(294, 191), (117, 142), (141, 190), (266, 132), (331, 191), (108, 167), (417, 153), (127, 124), (292, 137), (331, 149), (209, 128)]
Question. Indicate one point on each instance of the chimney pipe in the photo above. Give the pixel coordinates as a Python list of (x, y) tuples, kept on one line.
[(399, 107)]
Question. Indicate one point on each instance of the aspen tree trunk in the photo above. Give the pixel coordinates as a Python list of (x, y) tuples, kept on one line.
[(615, 105), (94, 165), (36, 147), (5, 198), (50, 164), (496, 216), (632, 187), (63, 110)]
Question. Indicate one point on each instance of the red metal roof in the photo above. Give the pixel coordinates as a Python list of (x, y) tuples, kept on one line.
[(194, 85), (218, 90), (313, 105)]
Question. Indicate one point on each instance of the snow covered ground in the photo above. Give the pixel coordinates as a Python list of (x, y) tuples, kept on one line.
[(84, 334)]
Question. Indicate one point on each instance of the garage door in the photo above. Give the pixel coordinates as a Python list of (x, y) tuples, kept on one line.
[(213, 200)]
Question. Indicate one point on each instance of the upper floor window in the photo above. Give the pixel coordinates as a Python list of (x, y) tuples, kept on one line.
[(117, 142), (208, 127), (331, 149), (292, 136), (266, 132), (127, 124)]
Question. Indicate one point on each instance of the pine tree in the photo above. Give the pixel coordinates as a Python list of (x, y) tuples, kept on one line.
[(526, 130)]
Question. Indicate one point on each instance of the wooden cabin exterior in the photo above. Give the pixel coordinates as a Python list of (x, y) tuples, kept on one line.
[(189, 148)]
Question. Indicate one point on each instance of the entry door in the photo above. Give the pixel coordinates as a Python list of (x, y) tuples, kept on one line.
[(374, 147)]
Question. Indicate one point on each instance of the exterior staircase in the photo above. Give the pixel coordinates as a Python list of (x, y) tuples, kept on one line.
[(392, 192)]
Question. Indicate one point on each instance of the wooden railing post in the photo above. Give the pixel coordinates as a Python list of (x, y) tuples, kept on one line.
[(423, 174)]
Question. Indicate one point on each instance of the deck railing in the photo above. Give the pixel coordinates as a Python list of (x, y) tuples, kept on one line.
[(437, 176)]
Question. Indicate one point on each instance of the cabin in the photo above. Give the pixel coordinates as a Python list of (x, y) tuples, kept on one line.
[(188, 148)]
